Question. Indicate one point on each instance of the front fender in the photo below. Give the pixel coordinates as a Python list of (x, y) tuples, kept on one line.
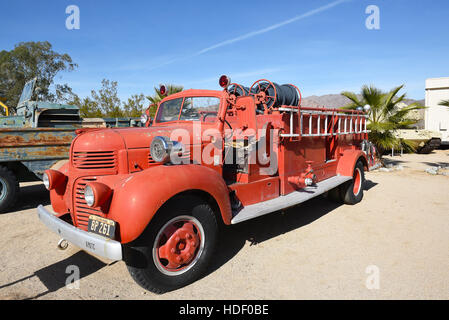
[(348, 160), (60, 199), (137, 197)]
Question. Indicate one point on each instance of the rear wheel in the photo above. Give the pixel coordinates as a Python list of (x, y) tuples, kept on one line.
[(352, 191), (176, 247), (9, 189)]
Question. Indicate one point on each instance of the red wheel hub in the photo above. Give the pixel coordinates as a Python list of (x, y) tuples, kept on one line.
[(260, 97), (181, 245), (357, 182)]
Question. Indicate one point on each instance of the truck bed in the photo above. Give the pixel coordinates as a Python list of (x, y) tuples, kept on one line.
[(36, 148)]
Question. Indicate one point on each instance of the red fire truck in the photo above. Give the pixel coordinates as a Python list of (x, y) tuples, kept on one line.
[(155, 196)]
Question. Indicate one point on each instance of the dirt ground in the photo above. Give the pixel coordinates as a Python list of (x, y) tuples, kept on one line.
[(392, 245)]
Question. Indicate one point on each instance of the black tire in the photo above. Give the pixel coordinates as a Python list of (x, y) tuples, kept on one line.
[(9, 189), (143, 261), (352, 191)]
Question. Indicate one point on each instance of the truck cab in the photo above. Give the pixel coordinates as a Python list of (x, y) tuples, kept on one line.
[(32, 113), (154, 196), (37, 136)]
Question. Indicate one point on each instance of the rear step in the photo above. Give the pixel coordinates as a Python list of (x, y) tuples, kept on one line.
[(289, 200)]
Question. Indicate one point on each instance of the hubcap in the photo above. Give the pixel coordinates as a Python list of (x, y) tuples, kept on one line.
[(178, 245)]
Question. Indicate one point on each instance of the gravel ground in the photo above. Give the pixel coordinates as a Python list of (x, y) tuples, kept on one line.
[(318, 250)]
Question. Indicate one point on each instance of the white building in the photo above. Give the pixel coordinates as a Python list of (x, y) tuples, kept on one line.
[(436, 117)]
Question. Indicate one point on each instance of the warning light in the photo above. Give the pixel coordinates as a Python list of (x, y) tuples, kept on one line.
[(224, 81), (163, 90)]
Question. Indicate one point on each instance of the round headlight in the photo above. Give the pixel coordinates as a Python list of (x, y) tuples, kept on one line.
[(46, 181), (162, 148), (54, 179), (89, 196)]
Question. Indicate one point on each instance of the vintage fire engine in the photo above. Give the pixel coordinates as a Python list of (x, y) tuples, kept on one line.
[(155, 196)]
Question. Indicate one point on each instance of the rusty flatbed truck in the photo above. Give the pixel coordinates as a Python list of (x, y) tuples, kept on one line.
[(35, 138), (154, 196)]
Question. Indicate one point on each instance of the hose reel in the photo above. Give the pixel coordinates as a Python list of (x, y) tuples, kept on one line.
[(268, 95)]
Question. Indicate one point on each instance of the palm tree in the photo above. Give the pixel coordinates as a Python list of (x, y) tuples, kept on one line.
[(157, 97), (444, 103), (385, 116)]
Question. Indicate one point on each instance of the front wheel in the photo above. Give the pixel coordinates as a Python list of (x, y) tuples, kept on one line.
[(176, 247), (352, 191)]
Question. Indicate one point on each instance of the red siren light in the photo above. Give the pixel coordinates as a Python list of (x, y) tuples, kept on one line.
[(163, 90), (224, 81)]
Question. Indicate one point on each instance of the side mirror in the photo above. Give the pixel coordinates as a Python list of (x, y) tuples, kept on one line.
[(145, 120)]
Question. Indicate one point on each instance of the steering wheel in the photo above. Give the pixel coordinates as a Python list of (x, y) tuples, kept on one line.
[(205, 114)]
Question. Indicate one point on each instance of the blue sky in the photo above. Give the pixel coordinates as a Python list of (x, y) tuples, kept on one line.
[(322, 46)]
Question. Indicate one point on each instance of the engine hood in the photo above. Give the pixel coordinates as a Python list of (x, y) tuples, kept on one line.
[(130, 138), (98, 140)]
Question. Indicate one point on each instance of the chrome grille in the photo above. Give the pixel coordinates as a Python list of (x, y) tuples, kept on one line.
[(81, 210), (94, 159), (150, 159)]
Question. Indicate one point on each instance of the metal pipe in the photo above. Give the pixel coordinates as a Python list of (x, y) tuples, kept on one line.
[(310, 124)]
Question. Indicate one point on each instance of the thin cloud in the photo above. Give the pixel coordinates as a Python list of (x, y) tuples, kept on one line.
[(255, 33), (273, 27)]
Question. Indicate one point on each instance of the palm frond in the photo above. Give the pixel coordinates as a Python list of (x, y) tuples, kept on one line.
[(381, 126), (372, 96), (353, 97), (405, 124), (389, 96), (408, 146), (385, 116)]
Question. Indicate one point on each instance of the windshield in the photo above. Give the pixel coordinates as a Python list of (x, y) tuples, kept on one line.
[(194, 109), (27, 91), (169, 110)]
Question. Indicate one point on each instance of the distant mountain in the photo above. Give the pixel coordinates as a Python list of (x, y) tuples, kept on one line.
[(336, 101)]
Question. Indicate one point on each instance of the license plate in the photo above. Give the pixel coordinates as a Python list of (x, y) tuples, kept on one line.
[(101, 226)]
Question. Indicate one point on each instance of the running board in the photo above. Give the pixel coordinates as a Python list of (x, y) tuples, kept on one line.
[(289, 200)]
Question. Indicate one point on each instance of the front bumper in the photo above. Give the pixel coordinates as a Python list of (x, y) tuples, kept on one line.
[(90, 242)]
